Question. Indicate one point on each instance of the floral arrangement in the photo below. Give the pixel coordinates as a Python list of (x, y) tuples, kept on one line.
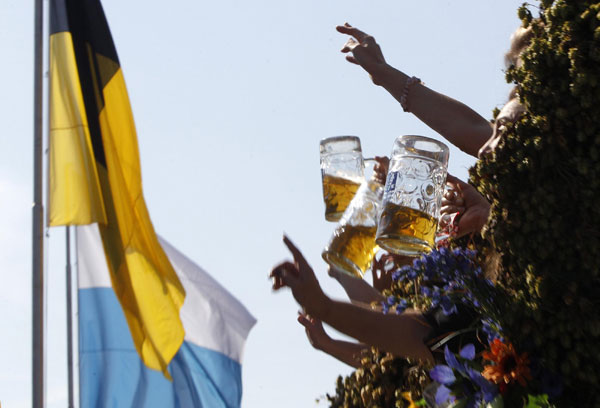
[(497, 374)]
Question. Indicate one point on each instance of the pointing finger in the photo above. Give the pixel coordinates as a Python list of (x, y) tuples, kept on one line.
[(298, 257)]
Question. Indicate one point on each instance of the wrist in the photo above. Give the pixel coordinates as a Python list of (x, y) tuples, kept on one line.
[(320, 308), (383, 74), (324, 344)]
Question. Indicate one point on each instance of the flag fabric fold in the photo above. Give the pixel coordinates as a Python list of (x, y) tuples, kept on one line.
[(205, 371), (95, 176)]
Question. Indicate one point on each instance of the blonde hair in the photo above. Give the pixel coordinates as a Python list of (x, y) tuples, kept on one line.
[(519, 40)]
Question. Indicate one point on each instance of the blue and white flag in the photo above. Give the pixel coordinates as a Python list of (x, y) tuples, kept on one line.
[(206, 370)]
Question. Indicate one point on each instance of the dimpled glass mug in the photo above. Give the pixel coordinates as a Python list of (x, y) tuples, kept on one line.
[(342, 171), (413, 195), (352, 245)]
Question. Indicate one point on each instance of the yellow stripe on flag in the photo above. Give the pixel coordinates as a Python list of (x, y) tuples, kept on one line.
[(74, 187), (95, 176), (142, 276)]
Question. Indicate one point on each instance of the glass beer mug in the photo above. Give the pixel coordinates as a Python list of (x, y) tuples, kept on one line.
[(413, 195), (342, 171), (352, 245)]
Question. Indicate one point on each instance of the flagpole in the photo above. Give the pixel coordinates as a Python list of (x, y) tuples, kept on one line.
[(37, 294), (69, 320)]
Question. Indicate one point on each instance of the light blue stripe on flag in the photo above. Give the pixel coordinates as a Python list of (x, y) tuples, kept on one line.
[(111, 373)]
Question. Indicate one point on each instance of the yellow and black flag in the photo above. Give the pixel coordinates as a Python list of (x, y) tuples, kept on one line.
[(95, 175)]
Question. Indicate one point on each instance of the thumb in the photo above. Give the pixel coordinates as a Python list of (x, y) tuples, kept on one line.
[(303, 320)]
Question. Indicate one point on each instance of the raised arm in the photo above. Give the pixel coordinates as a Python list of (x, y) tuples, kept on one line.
[(401, 335), (358, 290), (345, 351), (455, 121)]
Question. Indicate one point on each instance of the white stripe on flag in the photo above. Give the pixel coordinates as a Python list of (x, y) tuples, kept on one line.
[(211, 316)]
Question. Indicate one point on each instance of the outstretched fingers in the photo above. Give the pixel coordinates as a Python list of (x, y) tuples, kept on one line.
[(350, 45), (351, 59), (353, 31)]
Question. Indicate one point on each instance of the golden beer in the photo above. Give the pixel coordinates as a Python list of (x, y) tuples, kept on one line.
[(406, 231), (337, 193), (352, 249)]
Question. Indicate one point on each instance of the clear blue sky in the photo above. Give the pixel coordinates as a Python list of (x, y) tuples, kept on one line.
[(230, 100)]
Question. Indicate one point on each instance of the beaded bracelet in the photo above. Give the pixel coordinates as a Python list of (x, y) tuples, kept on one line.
[(404, 97)]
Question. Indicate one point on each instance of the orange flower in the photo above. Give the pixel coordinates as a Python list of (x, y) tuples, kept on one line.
[(509, 366), (406, 395)]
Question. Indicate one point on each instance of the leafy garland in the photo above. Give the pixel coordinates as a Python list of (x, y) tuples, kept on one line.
[(543, 183), (541, 314)]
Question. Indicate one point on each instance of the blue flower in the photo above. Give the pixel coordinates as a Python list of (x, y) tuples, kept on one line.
[(447, 306), (488, 389), (442, 374), (435, 297), (452, 361), (442, 394), (431, 267), (435, 255), (491, 330), (401, 306), (468, 352)]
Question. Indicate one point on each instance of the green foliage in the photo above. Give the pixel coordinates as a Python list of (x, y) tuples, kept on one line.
[(543, 182), (544, 185), (537, 401), (380, 382)]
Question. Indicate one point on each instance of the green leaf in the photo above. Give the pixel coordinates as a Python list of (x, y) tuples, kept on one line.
[(537, 401), (498, 402)]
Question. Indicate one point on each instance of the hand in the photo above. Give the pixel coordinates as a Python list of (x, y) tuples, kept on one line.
[(383, 268), (364, 51), (301, 279), (472, 207), (381, 168), (314, 330)]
